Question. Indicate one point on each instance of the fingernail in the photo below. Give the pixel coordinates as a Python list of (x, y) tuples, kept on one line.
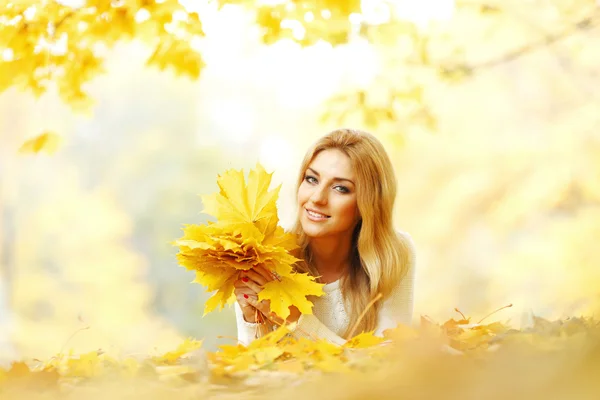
[(245, 296), (245, 279)]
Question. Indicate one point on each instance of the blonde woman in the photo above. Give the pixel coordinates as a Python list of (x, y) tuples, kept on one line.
[(346, 192)]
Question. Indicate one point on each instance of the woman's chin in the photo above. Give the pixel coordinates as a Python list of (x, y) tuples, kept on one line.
[(311, 230)]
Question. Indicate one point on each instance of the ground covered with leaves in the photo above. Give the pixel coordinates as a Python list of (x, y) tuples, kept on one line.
[(458, 359)]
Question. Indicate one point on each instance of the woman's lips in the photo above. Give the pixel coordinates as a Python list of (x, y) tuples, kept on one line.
[(316, 216)]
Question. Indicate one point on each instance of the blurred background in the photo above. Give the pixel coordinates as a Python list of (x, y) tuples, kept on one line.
[(490, 111)]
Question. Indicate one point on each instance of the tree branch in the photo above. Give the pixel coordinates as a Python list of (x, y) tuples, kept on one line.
[(587, 23)]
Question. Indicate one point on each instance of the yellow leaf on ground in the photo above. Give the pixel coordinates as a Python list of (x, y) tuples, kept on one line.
[(86, 365), (172, 357), (364, 340), (401, 333)]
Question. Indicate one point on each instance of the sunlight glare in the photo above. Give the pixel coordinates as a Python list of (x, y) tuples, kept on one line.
[(298, 30), (355, 18), (375, 12), (8, 55), (142, 15), (235, 118), (29, 13), (423, 12), (275, 152)]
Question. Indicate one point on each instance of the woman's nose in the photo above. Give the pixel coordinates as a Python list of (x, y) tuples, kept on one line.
[(319, 196)]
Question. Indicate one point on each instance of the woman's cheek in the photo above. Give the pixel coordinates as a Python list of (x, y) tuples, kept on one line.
[(349, 210)]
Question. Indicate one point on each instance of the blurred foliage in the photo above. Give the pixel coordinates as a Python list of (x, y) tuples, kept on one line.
[(49, 41), (304, 21), (67, 44), (457, 359), (99, 285), (47, 141)]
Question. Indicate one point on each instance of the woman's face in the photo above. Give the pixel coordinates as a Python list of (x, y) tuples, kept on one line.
[(327, 196)]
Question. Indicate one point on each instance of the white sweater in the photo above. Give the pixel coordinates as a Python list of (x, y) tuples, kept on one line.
[(330, 319)]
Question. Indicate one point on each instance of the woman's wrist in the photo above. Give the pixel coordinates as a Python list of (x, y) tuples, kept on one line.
[(249, 317)]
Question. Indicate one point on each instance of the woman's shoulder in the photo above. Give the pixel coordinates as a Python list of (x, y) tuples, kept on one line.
[(404, 235), (406, 240), (408, 245)]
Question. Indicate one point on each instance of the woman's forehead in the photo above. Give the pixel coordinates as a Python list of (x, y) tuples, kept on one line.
[(332, 162)]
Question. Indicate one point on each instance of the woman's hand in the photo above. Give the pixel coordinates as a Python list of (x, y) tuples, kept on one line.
[(255, 280), (246, 292), (243, 294)]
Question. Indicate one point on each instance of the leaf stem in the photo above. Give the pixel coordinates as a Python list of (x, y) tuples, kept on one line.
[(493, 312), (362, 315), (71, 337), (458, 311)]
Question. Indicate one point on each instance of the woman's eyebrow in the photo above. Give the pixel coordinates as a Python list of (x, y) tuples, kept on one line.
[(335, 179)]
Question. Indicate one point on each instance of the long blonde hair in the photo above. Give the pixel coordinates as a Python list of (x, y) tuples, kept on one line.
[(379, 258)]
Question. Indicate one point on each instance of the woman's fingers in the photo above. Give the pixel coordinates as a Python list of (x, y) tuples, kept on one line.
[(246, 299), (244, 290), (251, 275), (248, 310), (238, 284), (255, 278), (262, 306), (260, 275), (253, 285), (243, 294), (265, 273)]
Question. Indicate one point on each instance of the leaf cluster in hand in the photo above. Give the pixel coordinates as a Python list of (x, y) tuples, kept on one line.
[(246, 235)]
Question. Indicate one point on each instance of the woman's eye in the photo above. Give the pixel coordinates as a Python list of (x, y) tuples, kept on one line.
[(342, 189), (310, 179)]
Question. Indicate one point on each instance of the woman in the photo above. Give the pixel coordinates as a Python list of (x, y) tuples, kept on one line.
[(346, 193)]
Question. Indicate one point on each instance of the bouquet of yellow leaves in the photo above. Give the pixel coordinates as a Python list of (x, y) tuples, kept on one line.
[(245, 235)]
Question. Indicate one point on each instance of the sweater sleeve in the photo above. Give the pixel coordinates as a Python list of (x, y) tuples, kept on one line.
[(398, 308), (309, 326), (246, 331)]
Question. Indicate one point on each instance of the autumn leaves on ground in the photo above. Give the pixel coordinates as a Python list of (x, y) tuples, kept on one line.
[(458, 359)]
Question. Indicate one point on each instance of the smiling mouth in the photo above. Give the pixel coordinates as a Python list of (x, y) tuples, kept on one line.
[(316, 215)]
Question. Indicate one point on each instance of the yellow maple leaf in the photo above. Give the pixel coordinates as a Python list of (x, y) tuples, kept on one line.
[(171, 357), (85, 365), (401, 333), (47, 141), (319, 354), (272, 338), (364, 340), (241, 202), (221, 297), (21, 375), (291, 291)]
